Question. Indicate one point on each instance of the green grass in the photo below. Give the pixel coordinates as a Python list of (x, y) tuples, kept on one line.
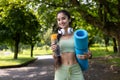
[(115, 61), (41, 51), (12, 62), (6, 57), (101, 51), (113, 58), (7, 60)]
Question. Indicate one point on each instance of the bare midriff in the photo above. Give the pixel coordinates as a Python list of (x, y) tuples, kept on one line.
[(68, 58)]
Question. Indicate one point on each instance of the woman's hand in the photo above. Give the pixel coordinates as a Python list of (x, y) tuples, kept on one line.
[(53, 47), (82, 56), (87, 55)]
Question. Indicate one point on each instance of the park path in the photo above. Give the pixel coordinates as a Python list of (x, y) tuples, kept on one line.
[(43, 69)]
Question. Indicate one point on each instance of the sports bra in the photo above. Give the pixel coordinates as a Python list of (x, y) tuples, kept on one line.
[(66, 45)]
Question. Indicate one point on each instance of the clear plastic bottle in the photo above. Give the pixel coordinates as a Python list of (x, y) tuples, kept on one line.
[(54, 41)]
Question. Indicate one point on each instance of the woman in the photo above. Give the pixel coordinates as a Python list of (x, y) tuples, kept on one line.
[(66, 67)]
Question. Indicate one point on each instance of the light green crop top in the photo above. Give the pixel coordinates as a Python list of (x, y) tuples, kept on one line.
[(66, 45)]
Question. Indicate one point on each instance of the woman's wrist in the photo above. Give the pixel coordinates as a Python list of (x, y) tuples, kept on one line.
[(89, 55)]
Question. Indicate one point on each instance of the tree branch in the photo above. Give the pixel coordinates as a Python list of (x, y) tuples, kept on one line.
[(88, 17), (107, 7)]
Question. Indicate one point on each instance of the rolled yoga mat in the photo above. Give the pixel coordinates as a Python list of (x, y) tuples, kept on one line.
[(81, 47)]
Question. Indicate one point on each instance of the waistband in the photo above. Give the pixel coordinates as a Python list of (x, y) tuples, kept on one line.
[(69, 66)]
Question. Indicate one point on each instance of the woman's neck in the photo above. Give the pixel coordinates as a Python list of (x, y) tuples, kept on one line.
[(66, 30)]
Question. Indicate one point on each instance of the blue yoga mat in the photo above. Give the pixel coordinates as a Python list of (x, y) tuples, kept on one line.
[(81, 47)]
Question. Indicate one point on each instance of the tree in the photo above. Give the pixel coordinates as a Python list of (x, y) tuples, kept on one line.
[(13, 19), (19, 24), (31, 31)]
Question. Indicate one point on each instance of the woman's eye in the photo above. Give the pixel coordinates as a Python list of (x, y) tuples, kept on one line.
[(58, 19), (63, 18)]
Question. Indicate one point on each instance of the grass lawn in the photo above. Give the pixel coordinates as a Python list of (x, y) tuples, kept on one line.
[(112, 57), (6, 57)]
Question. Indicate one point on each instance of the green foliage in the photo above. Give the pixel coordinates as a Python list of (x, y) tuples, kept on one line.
[(19, 24)]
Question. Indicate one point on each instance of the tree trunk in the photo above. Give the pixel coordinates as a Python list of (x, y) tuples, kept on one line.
[(32, 46), (17, 40), (118, 39), (106, 39), (16, 50), (115, 45)]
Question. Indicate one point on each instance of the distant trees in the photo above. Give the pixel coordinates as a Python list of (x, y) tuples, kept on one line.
[(18, 25)]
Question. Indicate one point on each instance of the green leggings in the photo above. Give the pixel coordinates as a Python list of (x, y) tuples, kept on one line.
[(73, 72)]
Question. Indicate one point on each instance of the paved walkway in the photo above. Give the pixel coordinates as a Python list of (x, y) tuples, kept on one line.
[(42, 69)]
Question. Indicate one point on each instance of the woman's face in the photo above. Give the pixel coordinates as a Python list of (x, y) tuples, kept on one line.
[(63, 20)]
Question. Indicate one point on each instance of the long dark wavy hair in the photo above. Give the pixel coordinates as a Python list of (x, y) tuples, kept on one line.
[(58, 61)]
